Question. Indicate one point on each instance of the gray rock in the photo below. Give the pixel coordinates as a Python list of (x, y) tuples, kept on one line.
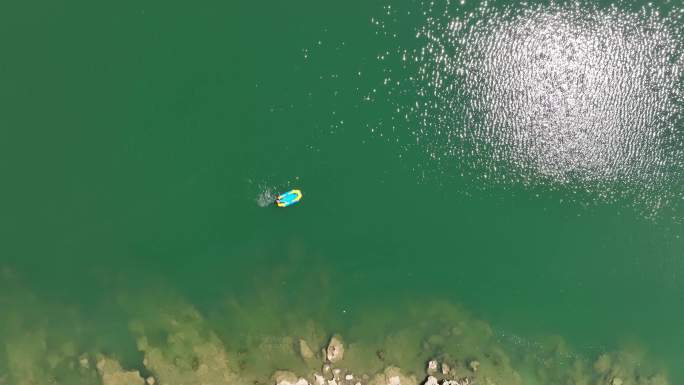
[(284, 377), (432, 366), (318, 379), (392, 376)]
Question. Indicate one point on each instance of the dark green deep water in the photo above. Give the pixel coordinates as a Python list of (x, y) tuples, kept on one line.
[(136, 138)]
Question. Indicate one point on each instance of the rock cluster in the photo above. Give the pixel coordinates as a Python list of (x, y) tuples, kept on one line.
[(430, 380), (283, 377), (457, 350), (438, 373), (446, 376), (333, 374)]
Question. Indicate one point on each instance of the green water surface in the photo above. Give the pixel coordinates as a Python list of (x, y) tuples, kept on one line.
[(137, 136)]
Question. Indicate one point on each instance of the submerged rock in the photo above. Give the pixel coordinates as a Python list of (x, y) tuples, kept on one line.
[(112, 373), (191, 354), (84, 362), (305, 350), (445, 368), (627, 367), (602, 364), (335, 350), (474, 365)]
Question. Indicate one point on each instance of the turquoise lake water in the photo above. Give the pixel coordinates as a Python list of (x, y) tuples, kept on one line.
[(516, 168)]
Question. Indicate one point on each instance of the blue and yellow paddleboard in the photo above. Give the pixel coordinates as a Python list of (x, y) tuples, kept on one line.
[(289, 198)]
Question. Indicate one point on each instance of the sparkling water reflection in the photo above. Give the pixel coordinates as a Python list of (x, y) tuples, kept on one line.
[(576, 95)]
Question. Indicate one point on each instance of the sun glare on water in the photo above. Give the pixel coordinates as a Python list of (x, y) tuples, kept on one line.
[(579, 96)]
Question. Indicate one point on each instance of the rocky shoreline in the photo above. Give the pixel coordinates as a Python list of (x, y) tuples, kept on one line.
[(165, 340), (214, 369), (192, 354), (332, 371), (437, 372)]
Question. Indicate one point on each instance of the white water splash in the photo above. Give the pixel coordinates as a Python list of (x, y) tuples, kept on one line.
[(266, 196)]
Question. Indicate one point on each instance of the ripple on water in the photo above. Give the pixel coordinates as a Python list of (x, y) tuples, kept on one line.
[(576, 96)]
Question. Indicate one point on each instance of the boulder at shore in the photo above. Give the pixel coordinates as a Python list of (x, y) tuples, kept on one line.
[(392, 376), (335, 350), (283, 377)]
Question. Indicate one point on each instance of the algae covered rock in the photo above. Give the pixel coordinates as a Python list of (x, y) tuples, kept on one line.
[(602, 364), (432, 367), (627, 367), (24, 353), (204, 363), (112, 373), (33, 358), (305, 350), (335, 350), (190, 354), (445, 368)]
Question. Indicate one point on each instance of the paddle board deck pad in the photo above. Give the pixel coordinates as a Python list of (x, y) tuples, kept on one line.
[(289, 198)]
